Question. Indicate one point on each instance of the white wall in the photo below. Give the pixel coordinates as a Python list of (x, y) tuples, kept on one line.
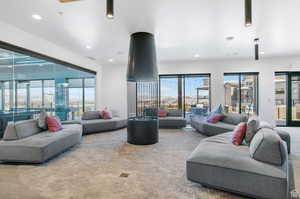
[(114, 81), (18, 37)]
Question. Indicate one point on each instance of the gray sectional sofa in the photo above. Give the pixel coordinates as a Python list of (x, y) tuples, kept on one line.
[(25, 142), (227, 123), (93, 123), (174, 119), (261, 171)]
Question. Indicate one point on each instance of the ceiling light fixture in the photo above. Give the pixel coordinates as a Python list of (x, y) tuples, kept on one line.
[(256, 46), (37, 17), (248, 13), (110, 60), (196, 55), (88, 46), (110, 9)]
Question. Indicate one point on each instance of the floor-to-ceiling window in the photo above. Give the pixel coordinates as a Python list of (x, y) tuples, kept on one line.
[(31, 82), (241, 93), (287, 97), (185, 92), (281, 80)]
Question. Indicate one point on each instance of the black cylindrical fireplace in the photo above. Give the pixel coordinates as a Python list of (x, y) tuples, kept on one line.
[(142, 90)]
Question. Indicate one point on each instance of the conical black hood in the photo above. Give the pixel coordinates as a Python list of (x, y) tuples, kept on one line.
[(142, 64)]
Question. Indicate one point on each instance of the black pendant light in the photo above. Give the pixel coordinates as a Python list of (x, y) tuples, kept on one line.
[(256, 46), (248, 13), (110, 9), (142, 64)]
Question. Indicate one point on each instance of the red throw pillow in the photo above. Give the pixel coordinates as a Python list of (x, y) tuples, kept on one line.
[(215, 118), (54, 124), (106, 115), (162, 113), (239, 133)]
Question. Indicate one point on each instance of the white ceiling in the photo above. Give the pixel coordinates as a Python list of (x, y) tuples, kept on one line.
[(182, 28)]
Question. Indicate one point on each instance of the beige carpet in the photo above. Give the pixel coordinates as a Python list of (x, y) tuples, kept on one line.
[(92, 171)]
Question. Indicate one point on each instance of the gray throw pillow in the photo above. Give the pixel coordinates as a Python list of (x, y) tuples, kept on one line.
[(42, 121), (10, 132), (252, 128), (268, 147)]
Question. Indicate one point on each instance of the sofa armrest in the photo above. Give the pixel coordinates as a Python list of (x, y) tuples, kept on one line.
[(285, 136)]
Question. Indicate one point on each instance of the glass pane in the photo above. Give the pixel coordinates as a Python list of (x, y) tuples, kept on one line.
[(295, 98), (22, 87), (232, 97), (170, 92), (280, 98), (49, 93), (75, 91), (36, 94), (249, 94), (196, 95), (89, 94)]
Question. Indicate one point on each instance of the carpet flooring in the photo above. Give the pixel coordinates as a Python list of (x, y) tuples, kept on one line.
[(105, 166)]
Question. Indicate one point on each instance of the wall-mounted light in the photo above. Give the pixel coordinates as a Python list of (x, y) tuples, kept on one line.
[(110, 9), (256, 46), (248, 13)]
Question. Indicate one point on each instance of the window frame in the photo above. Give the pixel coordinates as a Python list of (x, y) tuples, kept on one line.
[(183, 96), (239, 74)]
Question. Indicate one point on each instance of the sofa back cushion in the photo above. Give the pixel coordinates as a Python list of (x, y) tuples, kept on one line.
[(10, 132), (234, 118), (91, 115), (174, 112), (253, 125), (268, 147), (27, 128), (239, 133)]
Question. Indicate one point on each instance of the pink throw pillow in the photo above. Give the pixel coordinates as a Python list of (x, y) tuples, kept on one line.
[(106, 115), (54, 124), (214, 118), (239, 133), (162, 113)]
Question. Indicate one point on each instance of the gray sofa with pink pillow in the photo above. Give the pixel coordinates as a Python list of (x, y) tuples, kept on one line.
[(261, 170), (174, 119), (26, 142), (92, 122)]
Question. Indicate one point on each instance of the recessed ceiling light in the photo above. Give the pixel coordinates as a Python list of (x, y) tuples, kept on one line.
[(88, 46), (196, 55), (229, 38), (262, 53), (37, 17), (110, 60)]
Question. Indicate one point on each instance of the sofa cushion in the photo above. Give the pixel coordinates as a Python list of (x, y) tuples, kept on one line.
[(27, 128), (174, 112), (91, 115), (172, 122), (214, 118), (264, 124), (234, 118), (100, 125), (217, 110), (10, 132), (268, 147), (162, 113), (252, 128), (54, 124), (42, 121), (239, 133)]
